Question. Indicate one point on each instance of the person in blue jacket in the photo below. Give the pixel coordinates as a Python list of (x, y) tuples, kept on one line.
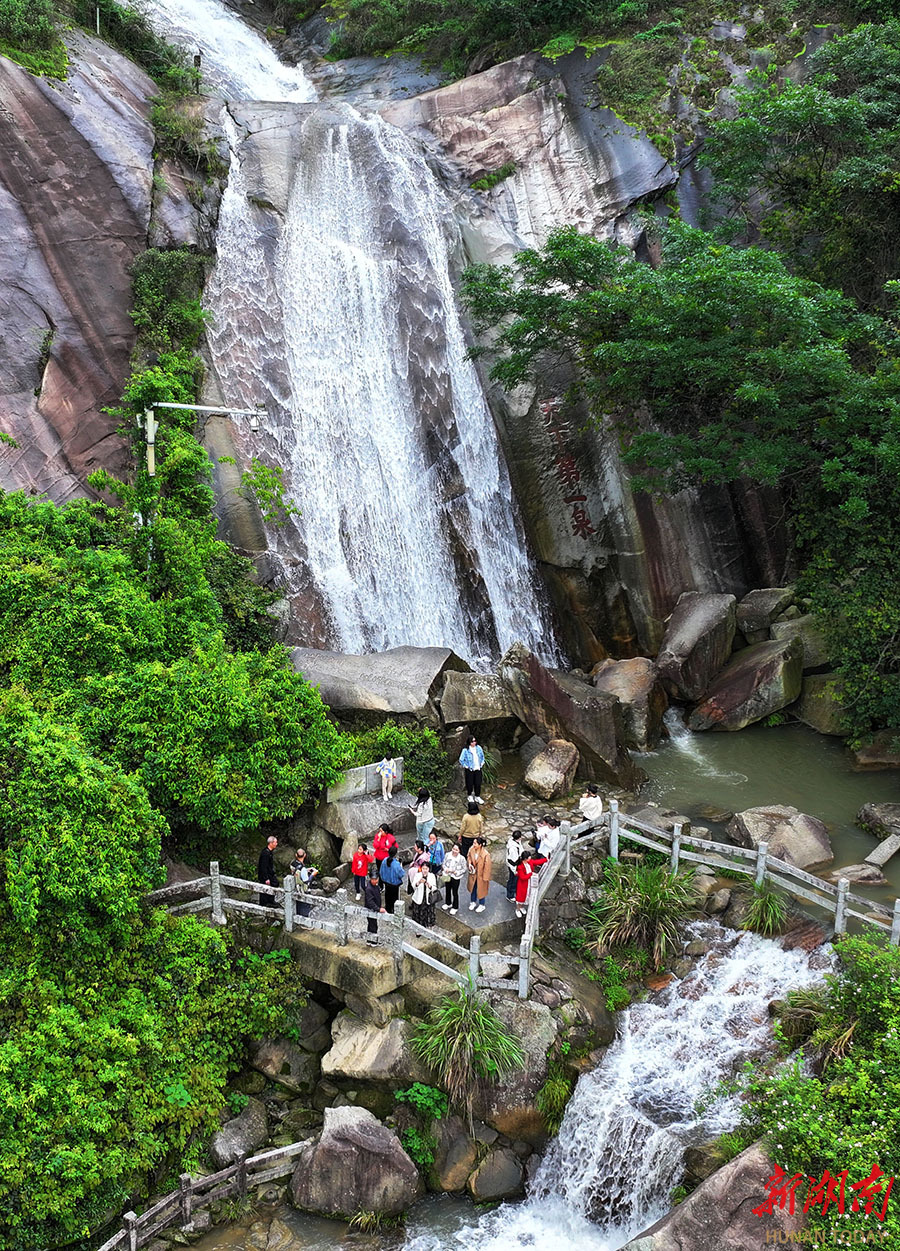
[(392, 875), (472, 760)]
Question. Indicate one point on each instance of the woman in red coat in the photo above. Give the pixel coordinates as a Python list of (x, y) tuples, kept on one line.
[(524, 872)]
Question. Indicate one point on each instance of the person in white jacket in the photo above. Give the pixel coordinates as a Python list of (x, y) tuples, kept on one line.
[(513, 852), (548, 835), (591, 805), (455, 869)]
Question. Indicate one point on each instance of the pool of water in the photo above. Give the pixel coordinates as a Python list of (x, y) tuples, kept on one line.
[(788, 764)]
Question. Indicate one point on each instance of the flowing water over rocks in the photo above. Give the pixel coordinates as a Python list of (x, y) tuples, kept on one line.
[(333, 292)]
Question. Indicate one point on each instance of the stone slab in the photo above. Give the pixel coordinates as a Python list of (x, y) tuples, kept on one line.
[(353, 969)]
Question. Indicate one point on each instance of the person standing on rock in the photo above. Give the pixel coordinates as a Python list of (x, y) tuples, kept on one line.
[(382, 843), (455, 869), (424, 885), (513, 853), (387, 768), (362, 861), (472, 760), (423, 811), (266, 871), (590, 805), (479, 882), (392, 874), (373, 904), (470, 827), (524, 873)]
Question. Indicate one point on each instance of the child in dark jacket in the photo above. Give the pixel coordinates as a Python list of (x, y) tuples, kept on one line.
[(373, 904)]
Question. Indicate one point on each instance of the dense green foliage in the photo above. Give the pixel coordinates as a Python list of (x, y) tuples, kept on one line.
[(824, 154), (642, 906), (847, 1117), (425, 761), (720, 364), (463, 1042)]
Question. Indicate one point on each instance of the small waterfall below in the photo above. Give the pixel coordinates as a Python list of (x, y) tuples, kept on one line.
[(609, 1173), (344, 312)]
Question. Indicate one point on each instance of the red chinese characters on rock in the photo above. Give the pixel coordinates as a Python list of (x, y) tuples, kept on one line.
[(827, 1191), (568, 475)]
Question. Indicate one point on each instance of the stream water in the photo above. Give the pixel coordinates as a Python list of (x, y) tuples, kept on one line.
[(788, 764), (344, 319)]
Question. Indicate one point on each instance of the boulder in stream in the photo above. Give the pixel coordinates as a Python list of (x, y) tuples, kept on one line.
[(637, 686), (697, 643), (759, 608), (552, 771), (757, 681), (882, 820), (792, 835)]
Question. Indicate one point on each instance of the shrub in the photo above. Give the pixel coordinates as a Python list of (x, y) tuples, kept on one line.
[(424, 759), (767, 910), (165, 290), (554, 1095), (641, 906), (128, 29), (418, 1145), (28, 25), (428, 1101), (463, 1041)]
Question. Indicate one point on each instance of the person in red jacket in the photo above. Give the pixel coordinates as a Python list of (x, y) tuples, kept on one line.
[(524, 873), (382, 843), (362, 861)]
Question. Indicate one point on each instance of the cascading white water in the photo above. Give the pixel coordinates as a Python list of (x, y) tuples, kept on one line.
[(408, 532), (609, 1173)]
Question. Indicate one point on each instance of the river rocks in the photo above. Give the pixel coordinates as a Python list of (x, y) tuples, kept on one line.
[(509, 1106), (759, 608), (591, 722), (288, 1064), (241, 1136), (697, 643), (455, 1155), (500, 1175), (882, 820), (881, 751), (478, 700), (819, 705), (719, 1215), (808, 630), (792, 836), (552, 772), (358, 1165), (364, 1052), (869, 874), (758, 681), (637, 686), (403, 681)]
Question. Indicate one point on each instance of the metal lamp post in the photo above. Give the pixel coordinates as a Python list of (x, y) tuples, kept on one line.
[(151, 425)]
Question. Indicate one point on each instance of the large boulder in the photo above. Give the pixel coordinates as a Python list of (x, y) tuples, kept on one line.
[(357, 1165), (404, 681), (241, 1136), (882, 820), (356, 820), (552, 771), (819, 705), (637, 686), (475, 699), (455, 1154), (500, 1175), (719, 1215), (290, 1065), (592, 720), (792, 836), (362, 1051), (808, 630), (759, 608), (510, 1105), (881, 751), (697, 643), (758, 681)]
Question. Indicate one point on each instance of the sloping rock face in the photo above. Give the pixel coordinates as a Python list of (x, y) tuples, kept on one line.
[(401, 681), (509, 1106), (76, 192), (719, 1215), (592, 722), (758, 681), (358, 1165), (637, 686), (793, 836), (697, 643), (240, 1136)]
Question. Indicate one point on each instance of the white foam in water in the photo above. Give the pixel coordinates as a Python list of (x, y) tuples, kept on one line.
[(409, 533), (609, 1173)]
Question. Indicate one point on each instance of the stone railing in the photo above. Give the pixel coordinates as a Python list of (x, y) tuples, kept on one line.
[(363, 781)]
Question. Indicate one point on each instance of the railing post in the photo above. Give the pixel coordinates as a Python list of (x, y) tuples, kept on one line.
[(524, 968), (676, 848), (614, 828), (129, 1220), (215, 891), (288, 901), (761, 852), (242, 1178), (840, 919), (566, 828), (187, 1198), (895, 924), (474, 958), (341, 898), (400, 914)]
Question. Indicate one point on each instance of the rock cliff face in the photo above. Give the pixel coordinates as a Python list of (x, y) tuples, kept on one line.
[(76, 199)]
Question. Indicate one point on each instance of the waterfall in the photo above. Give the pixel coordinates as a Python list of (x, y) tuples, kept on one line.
[(347, 320), (610, 1171)]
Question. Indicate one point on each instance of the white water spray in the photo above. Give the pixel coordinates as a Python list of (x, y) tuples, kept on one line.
[(408, 533)]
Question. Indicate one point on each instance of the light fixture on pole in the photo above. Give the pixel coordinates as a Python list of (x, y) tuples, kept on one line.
[(151, 425)]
